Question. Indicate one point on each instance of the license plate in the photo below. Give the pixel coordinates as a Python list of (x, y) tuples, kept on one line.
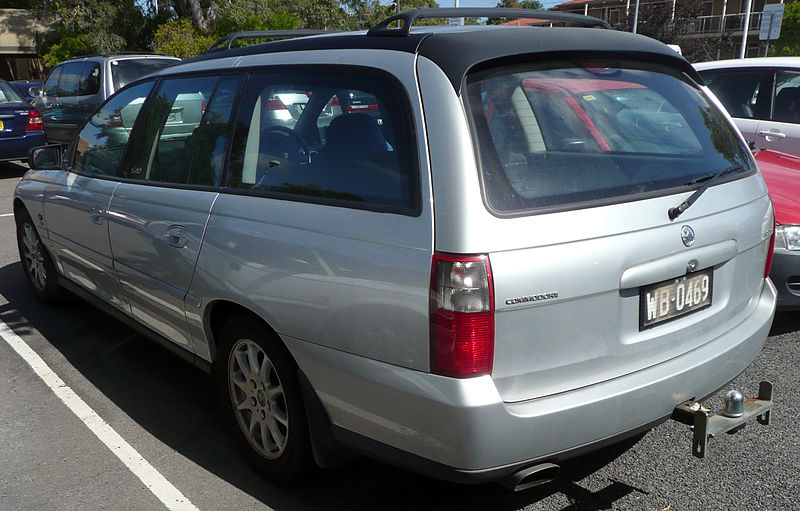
[(674, 298)]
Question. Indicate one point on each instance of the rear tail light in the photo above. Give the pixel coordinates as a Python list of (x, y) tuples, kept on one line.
[(34, 121), (115, 121), (361, 108), (770, 253), (462, 315), (275, 104)]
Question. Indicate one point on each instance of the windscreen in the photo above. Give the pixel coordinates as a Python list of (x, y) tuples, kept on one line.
[(125, 71), (576, 134)]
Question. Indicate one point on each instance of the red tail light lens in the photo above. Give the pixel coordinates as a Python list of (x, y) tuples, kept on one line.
[(115, 121), (34, 121), (462, 316), (275, 104), (770, 253)]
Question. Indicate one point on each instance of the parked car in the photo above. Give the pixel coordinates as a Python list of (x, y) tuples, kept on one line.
[(763, 97), (782, 173), (27, 89), (20, 125), (75, 88), (550, 240)]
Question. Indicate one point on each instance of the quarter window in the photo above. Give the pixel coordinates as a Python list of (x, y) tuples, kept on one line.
[(328, 137), (101, 143), (165, 134)]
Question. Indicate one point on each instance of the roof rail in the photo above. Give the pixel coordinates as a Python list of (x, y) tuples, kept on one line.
[(116, 53), (407, 18), (224, 43)]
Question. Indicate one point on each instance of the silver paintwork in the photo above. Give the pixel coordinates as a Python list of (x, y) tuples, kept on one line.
[(348, 290)]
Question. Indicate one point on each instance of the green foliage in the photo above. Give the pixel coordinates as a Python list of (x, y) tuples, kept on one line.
[(789, 42), (241, 15), (514, 4), (71, 45), (181, 39)]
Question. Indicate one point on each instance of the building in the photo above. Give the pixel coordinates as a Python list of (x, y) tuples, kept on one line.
[(719, 18), (18, 58)]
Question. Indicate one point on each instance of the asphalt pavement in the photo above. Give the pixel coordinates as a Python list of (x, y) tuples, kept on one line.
[(165, 410)]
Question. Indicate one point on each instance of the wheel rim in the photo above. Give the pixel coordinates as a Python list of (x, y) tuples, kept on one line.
[(258, 400), (33, 257)]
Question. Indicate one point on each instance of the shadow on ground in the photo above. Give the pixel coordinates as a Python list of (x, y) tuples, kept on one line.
[(175, 403), (11, 169)]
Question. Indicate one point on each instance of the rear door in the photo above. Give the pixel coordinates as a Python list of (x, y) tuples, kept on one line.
[(747, 96), (781, 130), (77, 200), (47, 103), (158, 215), (581, 163)]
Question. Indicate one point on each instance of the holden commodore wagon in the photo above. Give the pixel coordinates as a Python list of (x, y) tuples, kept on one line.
[(539, 241)]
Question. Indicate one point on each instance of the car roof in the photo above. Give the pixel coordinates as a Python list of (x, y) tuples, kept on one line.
[(456, 50), (755, 62)]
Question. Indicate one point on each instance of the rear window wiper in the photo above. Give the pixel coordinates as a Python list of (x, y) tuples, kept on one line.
[(709, 180)]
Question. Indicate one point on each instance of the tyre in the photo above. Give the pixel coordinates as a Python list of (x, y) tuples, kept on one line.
[(40, 272), (260, 394)]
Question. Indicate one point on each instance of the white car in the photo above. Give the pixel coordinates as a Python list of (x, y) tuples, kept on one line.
[(763, 97)]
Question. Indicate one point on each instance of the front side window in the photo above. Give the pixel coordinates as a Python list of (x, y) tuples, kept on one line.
[(51, 85), (787, 97), (101, 143), (68, 83), (167, 130), (328, 137), (573, 134)]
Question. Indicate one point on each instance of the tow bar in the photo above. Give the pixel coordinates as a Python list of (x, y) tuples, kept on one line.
[(736, 412)]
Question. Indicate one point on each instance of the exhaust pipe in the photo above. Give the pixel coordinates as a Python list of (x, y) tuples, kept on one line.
[(532, 476)]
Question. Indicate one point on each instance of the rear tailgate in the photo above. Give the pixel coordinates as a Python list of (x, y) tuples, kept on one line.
[(570, 313), (581, 163), (13, 119)]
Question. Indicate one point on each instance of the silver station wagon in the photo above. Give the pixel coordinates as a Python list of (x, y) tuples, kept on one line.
[(474, 252)]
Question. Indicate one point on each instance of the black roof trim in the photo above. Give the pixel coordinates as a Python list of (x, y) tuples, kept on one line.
[(333, 42), (449, 51), (224, 43), (408, 17)]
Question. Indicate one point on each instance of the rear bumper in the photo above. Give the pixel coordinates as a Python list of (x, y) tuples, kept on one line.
[(462, 430), (16, 148), (785, 274)]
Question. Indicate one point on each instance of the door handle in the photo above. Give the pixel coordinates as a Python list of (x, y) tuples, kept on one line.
[(176, 236), (776, 134), (96, 215)]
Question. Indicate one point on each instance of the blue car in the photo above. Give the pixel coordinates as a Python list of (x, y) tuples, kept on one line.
[(25, 87), (21, 126)]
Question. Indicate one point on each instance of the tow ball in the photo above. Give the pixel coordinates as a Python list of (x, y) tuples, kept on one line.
[(736, 411)]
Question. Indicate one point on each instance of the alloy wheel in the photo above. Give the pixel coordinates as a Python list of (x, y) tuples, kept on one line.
[(33, 257), (258, 399)]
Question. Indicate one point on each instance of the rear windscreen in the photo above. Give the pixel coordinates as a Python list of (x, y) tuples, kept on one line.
[(8, 95), (125, 71), (574, 134)]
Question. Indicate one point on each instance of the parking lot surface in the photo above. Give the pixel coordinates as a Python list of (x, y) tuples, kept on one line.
[(166, 412)]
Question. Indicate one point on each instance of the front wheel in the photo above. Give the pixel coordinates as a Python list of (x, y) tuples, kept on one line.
[(260, 393), (39, 269)]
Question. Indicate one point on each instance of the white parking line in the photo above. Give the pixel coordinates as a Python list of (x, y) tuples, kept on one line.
[(152, 478), (7, 214)]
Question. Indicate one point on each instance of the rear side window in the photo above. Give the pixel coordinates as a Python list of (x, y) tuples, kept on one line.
[(127, 70), (330, 137), (577, 134), (89, 79), (101, 143)]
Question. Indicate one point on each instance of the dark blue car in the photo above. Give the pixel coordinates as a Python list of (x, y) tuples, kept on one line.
[(20, 125)]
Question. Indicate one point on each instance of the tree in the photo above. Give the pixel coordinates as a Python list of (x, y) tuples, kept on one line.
[(789, 42), (514, 4), (180, 38)]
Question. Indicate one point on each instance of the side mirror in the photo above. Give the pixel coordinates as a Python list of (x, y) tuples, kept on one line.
[(47, 157), (34, 91)]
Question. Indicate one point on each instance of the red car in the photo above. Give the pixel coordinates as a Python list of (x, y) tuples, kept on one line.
[(782, 173)]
